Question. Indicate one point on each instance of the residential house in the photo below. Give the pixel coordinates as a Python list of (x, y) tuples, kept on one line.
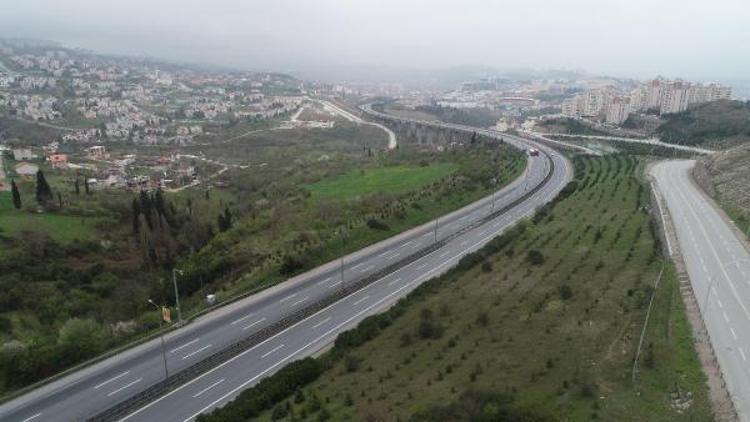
[(97, 152), (22, 154), (58, 161)]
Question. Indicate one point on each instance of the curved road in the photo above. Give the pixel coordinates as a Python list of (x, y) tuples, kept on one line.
[(719, 268), (101, 386)]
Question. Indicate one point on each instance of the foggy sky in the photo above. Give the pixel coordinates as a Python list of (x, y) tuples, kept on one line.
[(632, 38)]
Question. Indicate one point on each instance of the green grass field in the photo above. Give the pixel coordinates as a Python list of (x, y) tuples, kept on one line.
[(389, 180), (62, 228), (556, 328)]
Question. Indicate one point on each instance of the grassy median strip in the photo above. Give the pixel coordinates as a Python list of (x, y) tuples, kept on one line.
[(542, 323)]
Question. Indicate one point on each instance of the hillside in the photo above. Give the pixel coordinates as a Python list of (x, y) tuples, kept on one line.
[(726, 176), (541, 324), (718, 124)]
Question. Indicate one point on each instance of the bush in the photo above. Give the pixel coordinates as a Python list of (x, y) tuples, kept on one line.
[(565, 292), (294, 263), (376, 224), (534, 257), (486, 267)]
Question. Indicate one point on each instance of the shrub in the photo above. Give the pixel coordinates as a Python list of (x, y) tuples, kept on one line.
[(565, 292), (376, 224), (534, 257)]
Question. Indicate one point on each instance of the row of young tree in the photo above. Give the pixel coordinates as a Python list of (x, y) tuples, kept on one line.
[(43, 194)]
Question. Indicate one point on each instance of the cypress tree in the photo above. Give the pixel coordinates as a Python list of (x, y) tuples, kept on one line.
[(136, 215), (16, 195), (86, 185), (78, 187), (43, 191)]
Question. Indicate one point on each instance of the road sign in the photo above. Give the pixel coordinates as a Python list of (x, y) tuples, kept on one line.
[(165, 314)]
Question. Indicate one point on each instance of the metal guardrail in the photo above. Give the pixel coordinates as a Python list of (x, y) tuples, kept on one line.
[(144, 397)]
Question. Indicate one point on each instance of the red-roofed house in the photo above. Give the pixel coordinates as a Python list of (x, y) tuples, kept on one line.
[(59, 161)]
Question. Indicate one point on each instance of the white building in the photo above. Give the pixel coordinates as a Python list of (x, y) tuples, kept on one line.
[(21, 154), (618, 110)]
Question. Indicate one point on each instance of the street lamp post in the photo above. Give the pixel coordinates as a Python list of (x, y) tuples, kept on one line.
[(343, 251), (161, 334), (177, 295)]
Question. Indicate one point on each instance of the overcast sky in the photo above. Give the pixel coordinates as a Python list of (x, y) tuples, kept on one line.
[(706, 39)]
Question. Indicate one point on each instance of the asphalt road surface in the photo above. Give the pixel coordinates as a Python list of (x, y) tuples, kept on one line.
[(719, 269), (99, 387)]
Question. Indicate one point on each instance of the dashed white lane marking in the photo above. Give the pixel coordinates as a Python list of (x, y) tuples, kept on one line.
[(742, 353), (197, 351), (184, 345), (464, 243), (116, 377), (421, 267), (335, 284), (254, 323), (394, 255), (124, 387), (366, 269), (32, 417), (444, 254), (288, 297), (391, 283), (734, 335), (482, 233), (275, 349), (324, 281), (300, 301), (237, 321), (719, 303), (322, 322), (208, 388), (408, 243), (726, 318), (361, 300)]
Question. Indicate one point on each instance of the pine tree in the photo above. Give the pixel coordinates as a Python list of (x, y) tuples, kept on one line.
[(43, 191), (16, 195)]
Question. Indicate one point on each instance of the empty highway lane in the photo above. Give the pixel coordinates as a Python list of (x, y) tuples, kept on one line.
[(719, 268)]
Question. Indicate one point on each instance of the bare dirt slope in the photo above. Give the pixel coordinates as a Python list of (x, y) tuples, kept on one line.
[(725, 175)]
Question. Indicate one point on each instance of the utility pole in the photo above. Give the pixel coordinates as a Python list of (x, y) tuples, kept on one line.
[(177, 295), (161, 334)]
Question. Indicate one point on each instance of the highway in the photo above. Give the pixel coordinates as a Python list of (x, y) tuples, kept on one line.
[(99, 387), (719, 268)]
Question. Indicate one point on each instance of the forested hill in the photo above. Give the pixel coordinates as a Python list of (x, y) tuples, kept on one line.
[(718, 124)]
